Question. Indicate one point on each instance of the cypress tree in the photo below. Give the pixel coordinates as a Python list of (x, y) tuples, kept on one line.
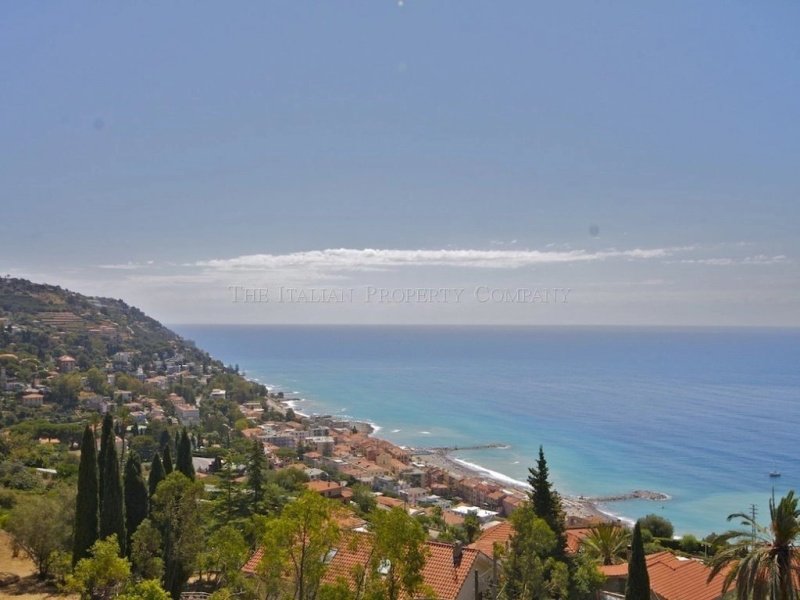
[(136, 496), (86, 504), (184, 462), (638, 585), (156, 474), (112, 508), (546, 502), (166, 460), (106, 439), (255, 472), (164, 439)]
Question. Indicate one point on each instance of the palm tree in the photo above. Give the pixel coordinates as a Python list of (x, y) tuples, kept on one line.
[(606, 543), (763, 562)]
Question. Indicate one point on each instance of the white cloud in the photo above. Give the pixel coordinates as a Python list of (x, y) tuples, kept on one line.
[(348, 259), (128, 266), (759, 259)]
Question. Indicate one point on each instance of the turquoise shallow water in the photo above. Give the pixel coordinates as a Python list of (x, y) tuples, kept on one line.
[(702, 415)]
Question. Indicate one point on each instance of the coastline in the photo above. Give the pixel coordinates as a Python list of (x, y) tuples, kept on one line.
[(577, 509)]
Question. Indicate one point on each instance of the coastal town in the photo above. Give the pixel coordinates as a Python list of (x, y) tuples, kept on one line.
[(172, 414)]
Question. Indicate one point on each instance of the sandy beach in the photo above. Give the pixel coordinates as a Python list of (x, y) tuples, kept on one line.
[(575, 507)]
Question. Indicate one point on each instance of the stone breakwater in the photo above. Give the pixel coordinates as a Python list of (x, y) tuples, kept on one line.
[(634, 495)]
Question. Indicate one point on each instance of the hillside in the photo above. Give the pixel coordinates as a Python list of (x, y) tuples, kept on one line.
[(46, 321)]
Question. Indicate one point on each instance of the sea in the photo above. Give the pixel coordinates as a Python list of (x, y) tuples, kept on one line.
[(703, 415)]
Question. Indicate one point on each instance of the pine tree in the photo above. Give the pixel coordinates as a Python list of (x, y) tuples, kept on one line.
[(166, 460), (157, 474), (87, 502), (255, 472), (106, 439), (546, 502), (184, 463), (136, 496), (638, 584), (112, 508)]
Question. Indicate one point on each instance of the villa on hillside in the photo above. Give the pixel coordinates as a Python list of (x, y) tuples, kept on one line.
[(32, 400), (66, 364)]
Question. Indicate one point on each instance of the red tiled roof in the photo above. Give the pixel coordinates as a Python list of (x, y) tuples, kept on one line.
[(451, 518), (673, 578), (251, 566), (441, 575), (389, 502), (499, 534), (575, 538), (502, 534), (355, 549), (323, 486)]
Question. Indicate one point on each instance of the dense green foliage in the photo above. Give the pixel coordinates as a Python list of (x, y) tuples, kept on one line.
[(42, 525), (657, 525), (184, 462), (763, 562), (87, 502), (546, 502), (112, 504), (256, 467), (106, 441), (637, 586), (137, 498), (531, 569), (166, 460), (298, 541), (607, 543), (175, 512), (156, 475)]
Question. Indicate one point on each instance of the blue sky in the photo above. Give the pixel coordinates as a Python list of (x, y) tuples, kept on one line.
[(146, 150)]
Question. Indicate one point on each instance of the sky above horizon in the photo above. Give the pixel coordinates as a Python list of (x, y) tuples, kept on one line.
[(645, 158)]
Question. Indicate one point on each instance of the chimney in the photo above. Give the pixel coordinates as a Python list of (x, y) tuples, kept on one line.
[(458, 550)]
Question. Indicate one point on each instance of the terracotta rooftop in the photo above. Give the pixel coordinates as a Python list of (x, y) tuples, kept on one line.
[(442, 575), (323, 486), (673, 578), (355, 549), (251, 566), (575, 538), (451, 518), (499, 534), (389, 502), (502, 534)]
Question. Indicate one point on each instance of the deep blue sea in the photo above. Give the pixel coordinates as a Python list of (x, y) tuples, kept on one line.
[(703, 415)]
